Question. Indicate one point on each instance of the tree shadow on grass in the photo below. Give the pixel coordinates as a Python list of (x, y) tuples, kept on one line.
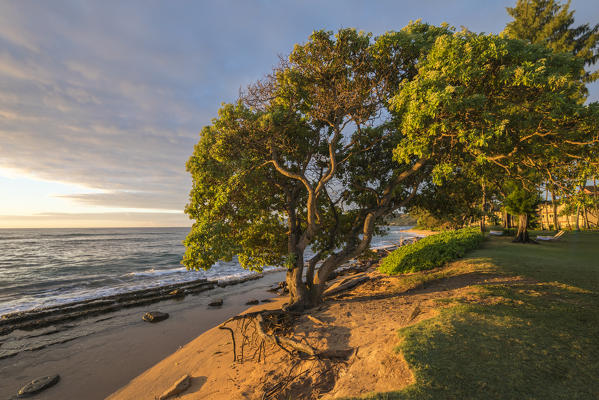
[(538, 341), (431, 286)]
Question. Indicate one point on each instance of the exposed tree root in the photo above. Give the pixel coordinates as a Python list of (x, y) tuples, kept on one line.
[(270, 327)]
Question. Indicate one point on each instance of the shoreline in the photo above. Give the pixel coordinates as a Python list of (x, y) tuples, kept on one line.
[(42, 317), (37, 318), (84, 338), (96, 356)]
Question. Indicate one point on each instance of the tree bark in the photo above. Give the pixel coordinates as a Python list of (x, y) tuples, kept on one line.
[(546, 208), (483, 206), (555, 219), (596, 201), (578, 217), (522, 235)]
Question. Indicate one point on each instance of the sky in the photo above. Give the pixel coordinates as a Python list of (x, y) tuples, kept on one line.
[(101, 102)]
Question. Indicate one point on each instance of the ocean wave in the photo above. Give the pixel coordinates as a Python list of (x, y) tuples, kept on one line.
[(159, 272)]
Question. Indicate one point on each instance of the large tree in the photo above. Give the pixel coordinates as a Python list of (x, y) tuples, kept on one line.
[(304, 160), (510, 106)]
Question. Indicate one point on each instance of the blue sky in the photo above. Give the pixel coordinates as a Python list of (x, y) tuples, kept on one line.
[(101, 102)]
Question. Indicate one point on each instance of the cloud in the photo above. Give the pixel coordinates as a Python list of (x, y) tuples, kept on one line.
[(112, 94), (126, 199)]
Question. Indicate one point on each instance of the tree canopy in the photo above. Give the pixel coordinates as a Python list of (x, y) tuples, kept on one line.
[(302, 170), (549, 22)]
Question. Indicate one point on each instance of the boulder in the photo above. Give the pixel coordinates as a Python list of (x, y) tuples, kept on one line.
[(37, 385), (216, 303), (155, 316), (178, 387), (252, 302)]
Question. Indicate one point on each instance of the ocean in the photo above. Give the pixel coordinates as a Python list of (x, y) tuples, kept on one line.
[(47, 267)]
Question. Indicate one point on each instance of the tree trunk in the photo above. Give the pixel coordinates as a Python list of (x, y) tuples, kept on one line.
[(522, 235), (585, 217), (298, 299), (546, 208), (350, 251), (483, 209), (578, 217), (555, 219), (319, 283), (596, 201), (505, 224)]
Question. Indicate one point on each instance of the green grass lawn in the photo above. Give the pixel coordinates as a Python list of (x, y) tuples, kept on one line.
[(536, 339)]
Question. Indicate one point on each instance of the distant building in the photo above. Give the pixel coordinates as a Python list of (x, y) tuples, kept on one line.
[(569, 221)]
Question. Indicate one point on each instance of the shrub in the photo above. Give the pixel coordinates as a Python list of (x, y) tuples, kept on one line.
[(431, 252)]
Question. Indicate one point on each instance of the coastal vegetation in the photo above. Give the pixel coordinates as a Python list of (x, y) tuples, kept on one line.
[(350, 128), (431, 252)]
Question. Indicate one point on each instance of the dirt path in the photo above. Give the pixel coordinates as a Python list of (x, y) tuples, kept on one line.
[(362, 323)]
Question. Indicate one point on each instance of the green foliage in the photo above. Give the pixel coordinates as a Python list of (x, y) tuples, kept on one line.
[(426, 220), (349, 129), (236, 206), (450, 203), (549, 22), (491, 98), (521, 201), (431, 252)]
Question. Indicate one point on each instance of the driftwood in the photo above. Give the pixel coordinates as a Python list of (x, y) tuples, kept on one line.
[(316, 320), (232, 338), (178, 387), (345, 284), (415, 312)]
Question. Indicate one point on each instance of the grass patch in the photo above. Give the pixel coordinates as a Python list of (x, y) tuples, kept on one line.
[(529, 340)]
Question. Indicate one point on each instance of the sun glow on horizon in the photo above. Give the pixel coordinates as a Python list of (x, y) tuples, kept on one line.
[(28, 201)]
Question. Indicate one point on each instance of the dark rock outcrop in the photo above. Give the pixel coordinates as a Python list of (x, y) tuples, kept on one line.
[(39, 318), (37, 385), (154, 316), (216, 303)]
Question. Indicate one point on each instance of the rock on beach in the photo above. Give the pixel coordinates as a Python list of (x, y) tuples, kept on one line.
[(37, 385), (155, 316), (216, 303)]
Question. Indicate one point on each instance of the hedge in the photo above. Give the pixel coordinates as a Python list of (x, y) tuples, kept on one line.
[(431, 252)]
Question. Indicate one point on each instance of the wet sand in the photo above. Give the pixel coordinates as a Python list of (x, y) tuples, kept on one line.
[(100, 354)]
